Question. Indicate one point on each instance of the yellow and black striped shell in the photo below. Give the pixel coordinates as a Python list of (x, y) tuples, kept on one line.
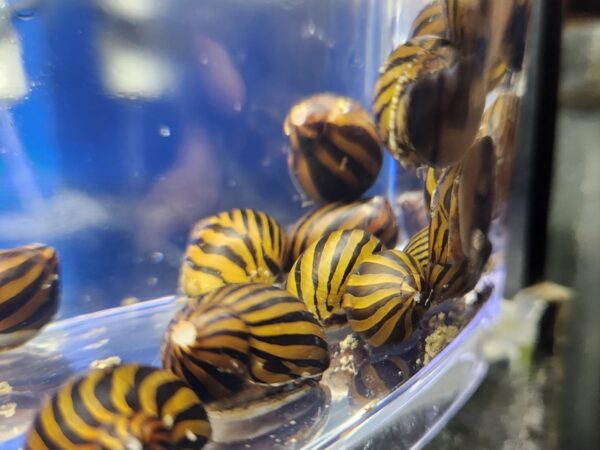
[(335, 151), (427, 105), (431, 21), (386, 297), (237, 246), (29, 292), (461, 208), (244, 332), (373, 215), (319, 276), (124, 407)]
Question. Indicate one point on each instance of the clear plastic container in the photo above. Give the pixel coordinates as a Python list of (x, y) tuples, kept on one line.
[(124, 122)]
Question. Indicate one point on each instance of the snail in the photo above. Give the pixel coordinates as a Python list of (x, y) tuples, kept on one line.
[(124, 407), (335, 151), (237, 246), (242, 335), (319, 276), (29, 292)]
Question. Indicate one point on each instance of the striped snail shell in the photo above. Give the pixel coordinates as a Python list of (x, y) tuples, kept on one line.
[(124, 407), (243, 333), (29, 292), (335, 152), (461, 210), (427, 106), (237, 246), (430, 21), (319, 276), (385, 298), (373, 215)]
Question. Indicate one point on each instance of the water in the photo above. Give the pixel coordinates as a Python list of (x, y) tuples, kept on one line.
[(137, 118)]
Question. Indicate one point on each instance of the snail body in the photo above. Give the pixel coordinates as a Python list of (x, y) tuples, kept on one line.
[(128, 406), (234, 246), (335, 151), (319, 276), (29, 292), (242, 333)]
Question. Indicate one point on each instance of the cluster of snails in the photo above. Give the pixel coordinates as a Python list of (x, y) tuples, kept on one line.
[(259, 300)]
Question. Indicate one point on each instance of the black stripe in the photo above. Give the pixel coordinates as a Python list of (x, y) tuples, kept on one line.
[(424, 22), (337, 253), (229, 381), (292, 339), (195, 412), (352, 165), (222, 250), (203, 269), (232, 353), (365, 313), (400, 323), (369, 145), (15, 303), (164, 392), (71, 435), (44, 434), (365, 291), (314, 274), (42, 315), (21, 269), (296, 316), (78, 405), (364, 240), (102, 391), (247, 238), (326, 182), (284, 299)]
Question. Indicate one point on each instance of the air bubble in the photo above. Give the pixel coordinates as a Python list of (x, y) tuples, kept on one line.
[(157, 257), (164, 131)]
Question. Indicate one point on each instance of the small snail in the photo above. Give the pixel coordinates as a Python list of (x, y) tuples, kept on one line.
[(373, 215), (461, 208), (242, 333), (234, 246), (319, 276), (29, 292), (426, 105), (128, 406), (335, 152), (386, 297)]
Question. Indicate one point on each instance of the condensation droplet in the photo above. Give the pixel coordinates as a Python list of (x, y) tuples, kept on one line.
[(157, 257), (164, 131), (151, 281), (231, 183), (204, 60), (237, 106)]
